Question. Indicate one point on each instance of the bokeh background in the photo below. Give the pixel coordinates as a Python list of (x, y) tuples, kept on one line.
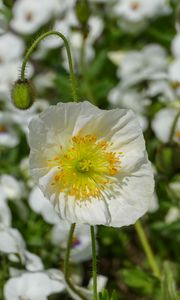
[(126, 54)]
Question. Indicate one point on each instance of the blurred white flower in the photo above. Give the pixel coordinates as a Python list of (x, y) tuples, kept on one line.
[(116, 57), (161, 88), (11, 47), (42, 206), (132, 99), (8, 135), (30, 15), (11, 241), (32, 286), (163, 122), (89, 163), (88, 292), (5, 213), (174, 72), (147, 64), (154, 204), (175, 47), (81, 245), (3, 19), (23, 118), (9, 73), (33, 262), (174, 187), (172, 215), (11, 187), (134, 14)]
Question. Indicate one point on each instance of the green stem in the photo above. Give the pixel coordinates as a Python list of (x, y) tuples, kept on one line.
[(66, 44), (174, 127), (84, 72), (93, 239), (66, 265), (147, 249)]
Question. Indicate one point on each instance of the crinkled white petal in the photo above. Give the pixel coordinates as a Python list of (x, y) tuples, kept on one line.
[(165, 116), (128, 197), (32, 286)]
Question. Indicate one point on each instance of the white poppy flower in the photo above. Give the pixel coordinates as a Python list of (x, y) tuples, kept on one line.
[(33, 262), (91, 163), (31, 286), (11, 241), (174, 186), (173, 215), (161, 88), (3, 21), (174, 72), (9, 73), (13, 42), (176, 46), (22, 118), (147, 64), (140, 10), (166, 116), (81, 244), (30, 15), (41, 205), (12, 188), (5, 213), (88, 292), (116, 57), (132, 99), (8, 136)]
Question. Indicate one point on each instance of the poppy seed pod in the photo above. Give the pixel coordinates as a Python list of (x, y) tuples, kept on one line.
[(22, 94)]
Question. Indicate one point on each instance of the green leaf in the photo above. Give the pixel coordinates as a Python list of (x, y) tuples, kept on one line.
[(139, 280), (104, 295), (168, 287)]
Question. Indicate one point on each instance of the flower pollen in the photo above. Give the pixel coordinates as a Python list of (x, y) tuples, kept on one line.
[(85, 168)]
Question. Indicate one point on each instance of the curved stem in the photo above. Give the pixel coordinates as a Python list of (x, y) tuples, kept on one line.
[(174, 127), (93, 239), (147, 249), (66, 264), (66, 44), (83, 66)]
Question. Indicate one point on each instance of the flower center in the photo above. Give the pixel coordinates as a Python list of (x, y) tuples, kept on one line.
[(85, 168), (75, 242), (135, 5), (29, 16), (3, 129)]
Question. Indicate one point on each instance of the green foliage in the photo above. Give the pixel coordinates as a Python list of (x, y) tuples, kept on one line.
[(104, 295), (168, 289)]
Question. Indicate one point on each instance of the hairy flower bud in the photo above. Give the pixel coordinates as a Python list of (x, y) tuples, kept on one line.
[(22, 94), (8, 3), (82, 11)]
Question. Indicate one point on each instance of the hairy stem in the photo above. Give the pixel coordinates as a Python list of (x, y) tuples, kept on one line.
[(66, 264), (66, 44), (147, 249), (174, 127), (93, 239)]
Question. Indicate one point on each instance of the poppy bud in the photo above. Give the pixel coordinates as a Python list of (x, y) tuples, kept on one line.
[(22, 94), (8, 3), (82, 11)]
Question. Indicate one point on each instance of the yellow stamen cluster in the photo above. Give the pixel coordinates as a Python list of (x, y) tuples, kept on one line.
[(85, 168), (177, 134), (3, 129)]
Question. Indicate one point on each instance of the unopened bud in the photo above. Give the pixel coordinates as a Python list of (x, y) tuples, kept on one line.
[(8, 3), (82, 11), (22, 94)]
